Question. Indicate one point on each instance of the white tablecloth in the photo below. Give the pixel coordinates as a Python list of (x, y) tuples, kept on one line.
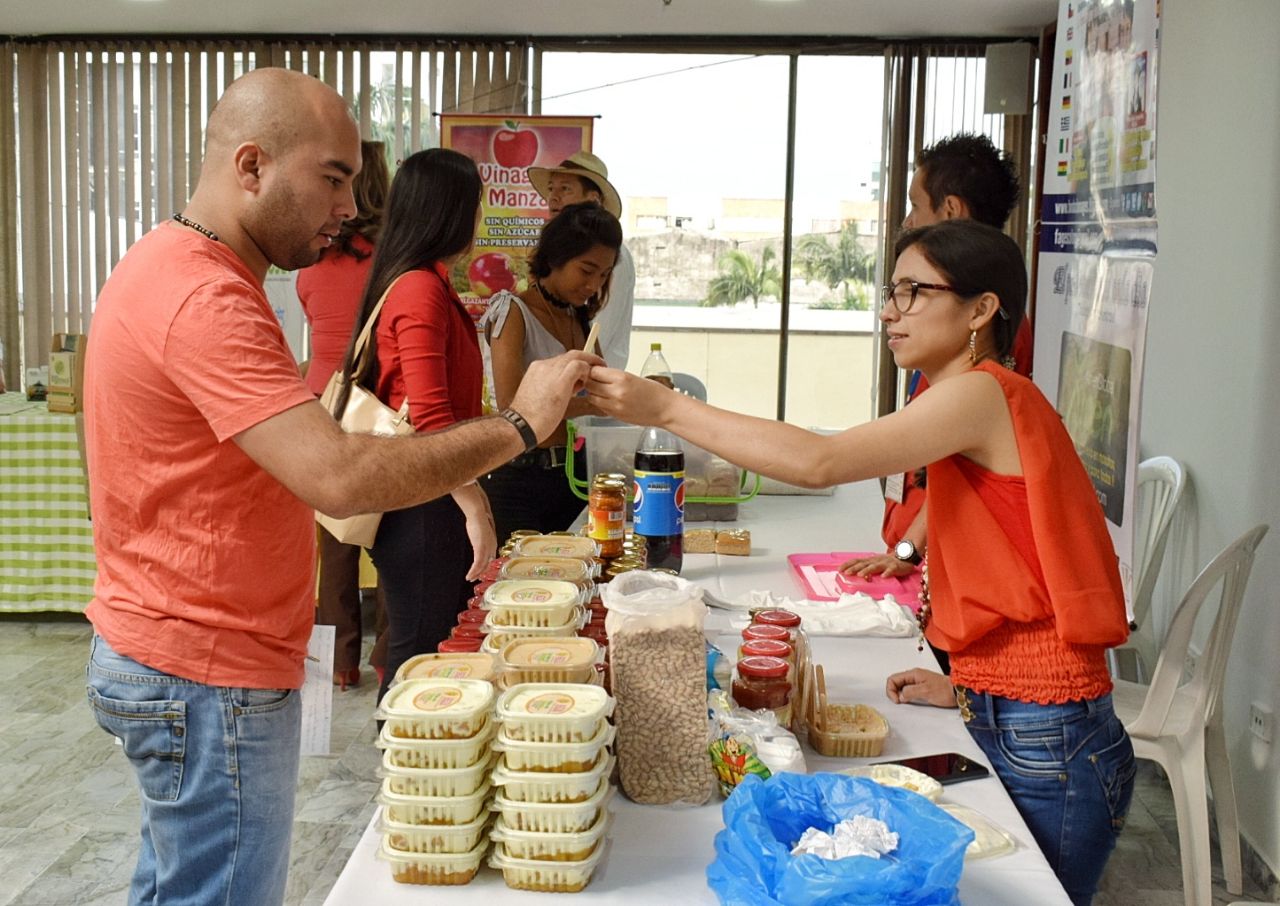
[(660, 855)]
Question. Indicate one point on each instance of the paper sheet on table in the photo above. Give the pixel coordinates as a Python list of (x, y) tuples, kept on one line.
[(855, 614), (317, 692)]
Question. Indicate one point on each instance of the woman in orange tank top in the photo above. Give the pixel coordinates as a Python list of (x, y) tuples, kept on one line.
[(1024, 590)]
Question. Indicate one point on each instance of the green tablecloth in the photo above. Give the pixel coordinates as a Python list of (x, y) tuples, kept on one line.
[(46, 542)]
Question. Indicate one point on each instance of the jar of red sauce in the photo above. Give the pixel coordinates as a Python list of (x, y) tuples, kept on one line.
[(456, 646), (761, 631), (760, 684)]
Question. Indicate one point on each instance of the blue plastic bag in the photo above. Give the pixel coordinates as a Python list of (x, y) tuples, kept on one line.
[(764, 818)]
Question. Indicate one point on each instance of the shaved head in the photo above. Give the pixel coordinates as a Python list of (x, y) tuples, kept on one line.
[(275, 109), (281, 151)]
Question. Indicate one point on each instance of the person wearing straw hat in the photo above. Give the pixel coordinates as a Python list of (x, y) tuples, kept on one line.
[(584, 177)]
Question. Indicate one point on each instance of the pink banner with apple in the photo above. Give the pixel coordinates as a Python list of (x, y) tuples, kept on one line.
[(511, 210)]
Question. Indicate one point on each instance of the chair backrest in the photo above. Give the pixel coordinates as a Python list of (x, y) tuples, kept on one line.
[(1161, 480), (688, 384), (1230, 569)]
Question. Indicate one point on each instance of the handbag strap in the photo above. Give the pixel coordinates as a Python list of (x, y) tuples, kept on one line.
[(361, 350)]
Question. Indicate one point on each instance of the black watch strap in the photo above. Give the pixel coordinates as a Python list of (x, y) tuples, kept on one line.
[(526, 430)]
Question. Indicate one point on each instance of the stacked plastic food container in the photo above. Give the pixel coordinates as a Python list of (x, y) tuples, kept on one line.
[(437, 758), (507, 740)]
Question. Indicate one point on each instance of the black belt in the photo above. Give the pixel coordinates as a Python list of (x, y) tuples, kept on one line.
[(542, 458)]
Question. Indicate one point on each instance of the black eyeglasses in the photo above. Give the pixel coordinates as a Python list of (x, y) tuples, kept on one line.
[(903, 293)]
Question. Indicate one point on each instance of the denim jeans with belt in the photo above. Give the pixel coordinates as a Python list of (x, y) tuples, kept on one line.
[(1069, 769), (216, 770)]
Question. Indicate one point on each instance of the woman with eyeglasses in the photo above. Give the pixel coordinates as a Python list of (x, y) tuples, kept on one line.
[(1021, 583)]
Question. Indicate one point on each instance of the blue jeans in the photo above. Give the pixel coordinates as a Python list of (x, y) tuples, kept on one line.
[(1069, 769), (216, 768)]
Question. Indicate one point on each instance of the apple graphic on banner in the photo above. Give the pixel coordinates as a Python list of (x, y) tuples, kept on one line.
[(512, 148), (491, 272)]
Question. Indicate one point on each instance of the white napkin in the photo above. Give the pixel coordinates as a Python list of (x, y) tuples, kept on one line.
[(856, 836), (852, 614)]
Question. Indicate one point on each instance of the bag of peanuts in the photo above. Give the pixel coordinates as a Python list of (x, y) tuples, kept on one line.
[(658, 663)]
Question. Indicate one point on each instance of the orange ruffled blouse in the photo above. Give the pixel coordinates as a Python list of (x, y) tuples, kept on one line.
[(1032, 620)]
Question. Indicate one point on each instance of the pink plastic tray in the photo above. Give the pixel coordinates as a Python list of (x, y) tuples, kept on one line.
[(822, 581)]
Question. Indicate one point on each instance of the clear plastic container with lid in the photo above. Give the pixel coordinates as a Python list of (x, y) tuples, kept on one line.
[(554, 817), (553, 712), (546, 786), (447, 666), (547, 847), (437, 708), (581, 573), (555, 757), (532, 602), (555, 660), (574, 547), (436, 753), (548, 877), (434, 838), (409, 867), (434, 781), (760, 684), (500, 636), (433, 809)]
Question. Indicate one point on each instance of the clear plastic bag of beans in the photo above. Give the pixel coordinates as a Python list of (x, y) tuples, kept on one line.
[(658, 664)]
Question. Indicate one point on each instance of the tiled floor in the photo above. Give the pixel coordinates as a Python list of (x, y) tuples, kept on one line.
[(68, 811)]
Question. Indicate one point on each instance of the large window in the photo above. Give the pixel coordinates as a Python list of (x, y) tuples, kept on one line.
[(696, 145)]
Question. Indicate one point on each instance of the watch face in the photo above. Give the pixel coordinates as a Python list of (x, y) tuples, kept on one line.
[(905, 550)]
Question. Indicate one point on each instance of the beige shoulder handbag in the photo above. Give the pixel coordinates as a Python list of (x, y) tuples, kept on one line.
[(364, 414)]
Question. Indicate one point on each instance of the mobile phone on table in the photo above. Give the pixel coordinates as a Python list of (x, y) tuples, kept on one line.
[(949, 767)]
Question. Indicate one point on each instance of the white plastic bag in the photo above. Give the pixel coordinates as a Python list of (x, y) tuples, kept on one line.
[(658, 666)]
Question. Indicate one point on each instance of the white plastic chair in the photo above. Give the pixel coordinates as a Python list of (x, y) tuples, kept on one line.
[(689, 385), (1161, 480), (1180, 726)]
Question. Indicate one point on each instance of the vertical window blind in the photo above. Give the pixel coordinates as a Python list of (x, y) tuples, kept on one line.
[(105, 140)]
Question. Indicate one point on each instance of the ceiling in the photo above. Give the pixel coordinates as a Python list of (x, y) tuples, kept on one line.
[(864, 18)]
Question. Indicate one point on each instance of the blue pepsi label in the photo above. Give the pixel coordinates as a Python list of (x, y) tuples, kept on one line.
[(659, 503)]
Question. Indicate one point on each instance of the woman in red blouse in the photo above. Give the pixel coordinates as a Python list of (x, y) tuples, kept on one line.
[(427, 350)]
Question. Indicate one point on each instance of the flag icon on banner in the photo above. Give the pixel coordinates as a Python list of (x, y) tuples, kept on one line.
[(1062, 168), (1066, 81), (1064, 124), (1067, 58), (1066, 102), (1063, 144)]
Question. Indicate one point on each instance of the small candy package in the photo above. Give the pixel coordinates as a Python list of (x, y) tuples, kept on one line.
[(747, 742)]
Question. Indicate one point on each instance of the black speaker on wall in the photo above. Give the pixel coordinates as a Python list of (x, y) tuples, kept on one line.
[(1008, 87)]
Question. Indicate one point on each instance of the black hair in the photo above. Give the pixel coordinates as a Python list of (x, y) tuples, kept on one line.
[(576, 230), (975, 258), (971, 168), (430, 216)]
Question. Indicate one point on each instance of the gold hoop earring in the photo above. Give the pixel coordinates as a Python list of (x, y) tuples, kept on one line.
[(973, 347)]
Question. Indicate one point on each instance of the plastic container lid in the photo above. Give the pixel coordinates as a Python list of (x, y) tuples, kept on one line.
[(575, 546), (438, 699), (471, 616), (542, 592), (766, 648), (447, 665), (763, 667), (552, 701), (765, 631), (567, 569), (457, 646), (559, 652), (777, 618)]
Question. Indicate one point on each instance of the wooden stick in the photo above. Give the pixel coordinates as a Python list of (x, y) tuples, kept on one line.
[(594, 335), (822, 698)]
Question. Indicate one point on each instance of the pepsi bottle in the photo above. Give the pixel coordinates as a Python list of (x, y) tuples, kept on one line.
[(659, 497)]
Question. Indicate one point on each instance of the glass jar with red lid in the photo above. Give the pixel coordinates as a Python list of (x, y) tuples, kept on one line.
[(467, 631), (760, 683), (455, 646), (763, 631), (767, 648)]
